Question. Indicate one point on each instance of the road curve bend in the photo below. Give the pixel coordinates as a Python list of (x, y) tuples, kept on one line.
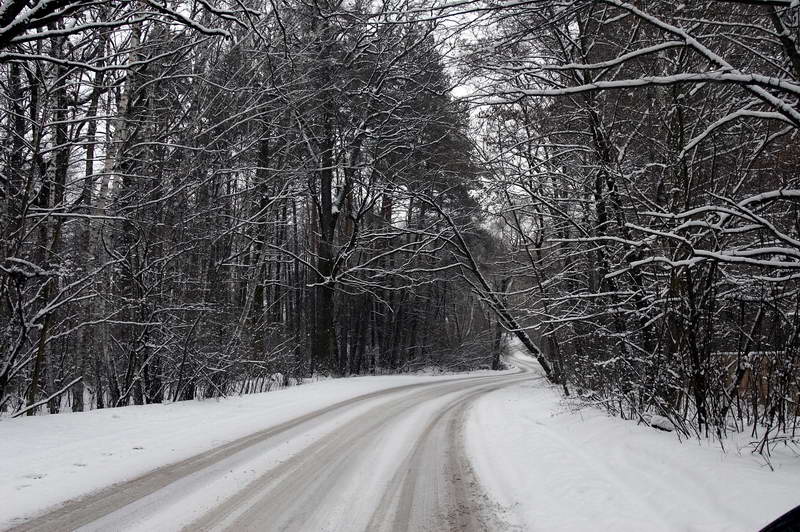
[(392, 460)]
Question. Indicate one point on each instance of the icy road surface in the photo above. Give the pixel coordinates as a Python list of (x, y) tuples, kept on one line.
[(392, 459)]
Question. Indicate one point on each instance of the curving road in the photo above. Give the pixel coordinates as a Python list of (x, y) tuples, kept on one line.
[(390, 460)]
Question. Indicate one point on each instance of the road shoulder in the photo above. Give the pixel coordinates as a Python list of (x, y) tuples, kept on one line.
[(549, 467)]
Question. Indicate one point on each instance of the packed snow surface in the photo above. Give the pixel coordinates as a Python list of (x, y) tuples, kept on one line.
[(48, 460), (551, 467)]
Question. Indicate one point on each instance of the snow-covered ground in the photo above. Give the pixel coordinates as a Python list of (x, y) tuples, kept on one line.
[(551, 468), (545, 466), (46, 460)]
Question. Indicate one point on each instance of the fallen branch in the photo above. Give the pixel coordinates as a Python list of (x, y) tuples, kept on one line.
[(43, 401)]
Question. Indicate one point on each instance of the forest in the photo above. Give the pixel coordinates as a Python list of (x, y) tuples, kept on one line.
[(201, 198)]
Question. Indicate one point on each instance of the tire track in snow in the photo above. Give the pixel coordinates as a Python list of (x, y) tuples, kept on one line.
[(340, 483), (330, 454)]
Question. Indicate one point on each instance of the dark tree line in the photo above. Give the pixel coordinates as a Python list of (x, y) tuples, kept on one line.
[(209, 199), (644, 161)]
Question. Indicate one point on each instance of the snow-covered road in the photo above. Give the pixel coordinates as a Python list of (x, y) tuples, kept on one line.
[(389, 460), (498, 452)]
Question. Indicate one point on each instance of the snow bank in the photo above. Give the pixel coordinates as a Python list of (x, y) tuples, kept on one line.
[(556, 470), (47, 460)]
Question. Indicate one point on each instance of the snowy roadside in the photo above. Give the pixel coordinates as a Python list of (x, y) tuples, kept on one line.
[(50, 459), (552, 469)]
